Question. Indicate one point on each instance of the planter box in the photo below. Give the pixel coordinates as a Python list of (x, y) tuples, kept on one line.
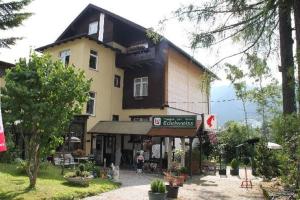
[(222, 172), (79, 180), (234, 172), (172, 191), (157, 196)]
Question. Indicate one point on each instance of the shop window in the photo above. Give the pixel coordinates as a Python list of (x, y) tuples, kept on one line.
[(115, 117), (140, 87), (90, 108)]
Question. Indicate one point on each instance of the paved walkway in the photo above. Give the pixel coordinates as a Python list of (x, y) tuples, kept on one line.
[(136, 187)]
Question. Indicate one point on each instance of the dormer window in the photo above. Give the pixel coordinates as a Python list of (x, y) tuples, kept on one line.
[(93, 28)]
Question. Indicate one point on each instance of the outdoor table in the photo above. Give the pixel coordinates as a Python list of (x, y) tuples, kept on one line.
[(80, 159)]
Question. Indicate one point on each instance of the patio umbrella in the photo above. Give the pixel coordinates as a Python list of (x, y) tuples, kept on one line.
[(272, 145), (74, 139)]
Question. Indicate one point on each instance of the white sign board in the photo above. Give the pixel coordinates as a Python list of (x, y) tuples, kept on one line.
[(210, 122)]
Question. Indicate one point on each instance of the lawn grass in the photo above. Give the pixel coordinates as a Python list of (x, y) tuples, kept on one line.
[(50, 185)]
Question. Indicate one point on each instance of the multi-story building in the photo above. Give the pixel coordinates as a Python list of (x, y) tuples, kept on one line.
[(134, 78)]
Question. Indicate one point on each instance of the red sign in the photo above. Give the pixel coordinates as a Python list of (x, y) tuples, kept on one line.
[(210, 122), (2, 136)]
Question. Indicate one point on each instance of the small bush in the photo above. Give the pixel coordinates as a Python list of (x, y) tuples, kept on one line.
[(21, 165), (70, 175), (81, 167), (183, 170), (234, 164), (158, 186)]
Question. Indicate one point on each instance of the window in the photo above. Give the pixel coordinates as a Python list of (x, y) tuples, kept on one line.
[(115, 117), (117, 81), (65, 56), (93, 59), (140, 87), (90, 107), (93, 28)]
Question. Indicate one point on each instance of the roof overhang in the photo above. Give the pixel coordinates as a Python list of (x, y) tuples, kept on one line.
[(43, 48)]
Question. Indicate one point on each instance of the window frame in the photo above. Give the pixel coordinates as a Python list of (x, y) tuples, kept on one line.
[(63, 57), (90, 27), (95, 56), (139, 81), (94, 105), (119, 81)]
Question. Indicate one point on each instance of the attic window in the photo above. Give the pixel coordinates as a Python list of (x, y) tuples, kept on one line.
[(93, 28)]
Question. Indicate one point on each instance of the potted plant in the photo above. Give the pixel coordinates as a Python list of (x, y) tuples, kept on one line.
[(79, 177), (234, 171), (184, 172), (158, 190), (174, 183)]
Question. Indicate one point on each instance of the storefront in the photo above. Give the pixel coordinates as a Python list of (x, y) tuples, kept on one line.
[(118, 142)]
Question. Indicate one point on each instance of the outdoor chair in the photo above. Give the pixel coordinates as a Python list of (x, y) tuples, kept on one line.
[(68, 161)]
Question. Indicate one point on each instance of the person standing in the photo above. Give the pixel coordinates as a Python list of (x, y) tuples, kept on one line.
[(140, 162)]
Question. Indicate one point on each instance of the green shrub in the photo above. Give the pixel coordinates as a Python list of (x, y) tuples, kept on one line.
[(21, 165), (70, 175), (158, 186), (81, 167), (183, 170), (90, 166), (268, 166), (234, 164)]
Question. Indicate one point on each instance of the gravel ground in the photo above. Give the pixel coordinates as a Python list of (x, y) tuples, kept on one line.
[(135, 187)]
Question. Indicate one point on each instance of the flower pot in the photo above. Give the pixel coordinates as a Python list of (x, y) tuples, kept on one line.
[(172, 191), (222, 172), (185, 176), (234, 172), (79, 180), (157, 196)]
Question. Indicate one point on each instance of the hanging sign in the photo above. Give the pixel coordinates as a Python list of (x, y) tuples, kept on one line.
[(2, 137), (210, 122), (174, 121)]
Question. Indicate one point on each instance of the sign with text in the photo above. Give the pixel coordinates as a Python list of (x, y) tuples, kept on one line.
[(174, 121), (210, 122)]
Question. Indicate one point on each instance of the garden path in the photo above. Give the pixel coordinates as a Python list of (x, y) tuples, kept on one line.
[(135, 187)]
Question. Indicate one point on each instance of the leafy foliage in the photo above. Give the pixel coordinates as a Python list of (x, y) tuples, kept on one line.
[(11, 17), (234, 164), (158, 186), (286, 130), (43, 96), (267, 164), (234, 135)]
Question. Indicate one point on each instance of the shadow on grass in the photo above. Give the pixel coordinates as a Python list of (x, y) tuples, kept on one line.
[(13, 194), (50, 172)]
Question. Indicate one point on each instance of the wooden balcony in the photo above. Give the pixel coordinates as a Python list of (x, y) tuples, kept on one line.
[(140, 58)]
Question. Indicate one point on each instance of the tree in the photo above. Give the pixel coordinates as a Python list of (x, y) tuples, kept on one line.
[(234, 135), (43, 96), (252, 23), (11, 17), (265, 93), (297, 27), (236, 76)]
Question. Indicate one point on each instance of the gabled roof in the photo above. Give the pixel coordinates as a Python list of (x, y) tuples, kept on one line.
[(41, 49), (130, 23)]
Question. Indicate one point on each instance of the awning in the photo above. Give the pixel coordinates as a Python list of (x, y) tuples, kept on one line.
[(125, 128), (139, 128)]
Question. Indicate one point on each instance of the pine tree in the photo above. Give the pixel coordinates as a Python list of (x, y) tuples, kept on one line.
[(255, 25), (11, 16)]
